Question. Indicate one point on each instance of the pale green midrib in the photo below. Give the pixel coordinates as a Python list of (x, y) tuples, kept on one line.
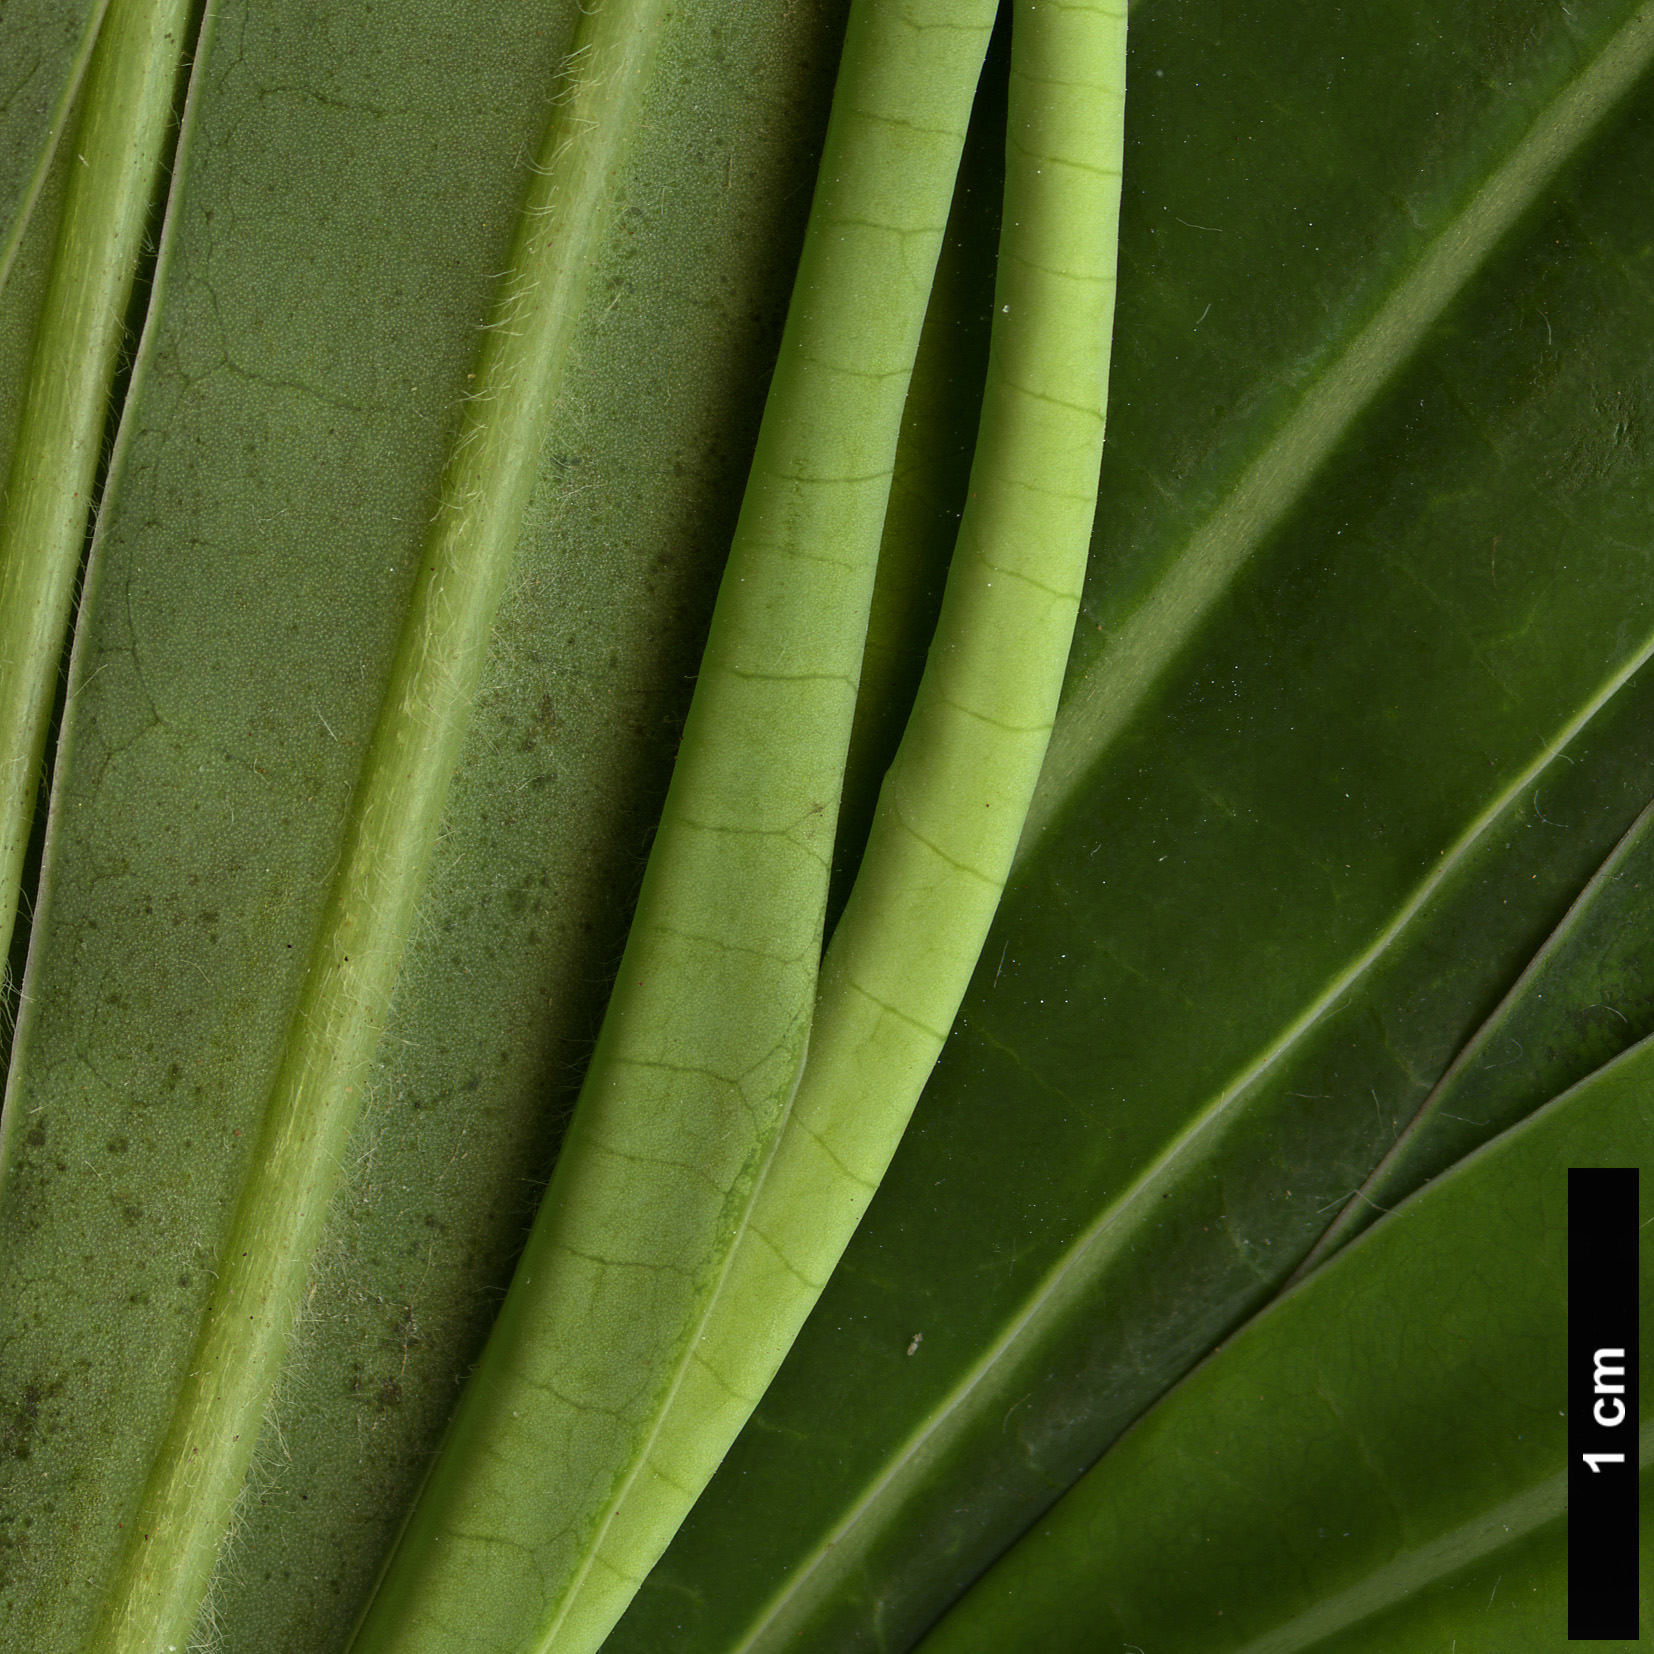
[(396, 811), (1473, 1541), (1070, 1275), (686, 1357), (48, 147), (1107, 694)]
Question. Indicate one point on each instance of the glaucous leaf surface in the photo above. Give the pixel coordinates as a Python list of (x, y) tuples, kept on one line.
[(1392, 1431), (1352, 798)]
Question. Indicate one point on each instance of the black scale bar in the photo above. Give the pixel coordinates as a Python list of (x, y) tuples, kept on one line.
[(1602, 1403)]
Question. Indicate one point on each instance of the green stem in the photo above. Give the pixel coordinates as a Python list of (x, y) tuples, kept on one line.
[(127, 103), (545, 1508), (396, 811)]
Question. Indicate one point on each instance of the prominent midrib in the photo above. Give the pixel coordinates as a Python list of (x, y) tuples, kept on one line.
[(64, 107), (1459, 1548), (1103, 699), (396, 810), (1087, 1255)]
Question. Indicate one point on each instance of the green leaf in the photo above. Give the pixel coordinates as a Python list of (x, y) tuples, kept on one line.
[(1309, 866), (47, 46), (51, 43), (326, 267), (315, 1094), (1583, 999), (1391, 726), (128, 65), (625, 1357), (1337, 1460)]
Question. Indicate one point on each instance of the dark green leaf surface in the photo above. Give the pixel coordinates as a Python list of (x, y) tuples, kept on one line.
[(1483, 1609), (1343, 1456), (1316, 858), (1587, 996), (1312, 863), (349, 186)]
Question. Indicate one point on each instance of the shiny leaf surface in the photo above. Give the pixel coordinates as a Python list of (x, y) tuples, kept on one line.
[(1585, 997), (1300, 875), (1341, 1458), (1368, 603)]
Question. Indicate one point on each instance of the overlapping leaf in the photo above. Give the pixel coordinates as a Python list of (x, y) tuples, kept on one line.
[(1348, 1471), (1583, 999), (1353, 798), (1328, 840), (348, 186)]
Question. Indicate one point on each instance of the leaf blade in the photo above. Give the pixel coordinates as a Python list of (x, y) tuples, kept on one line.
[(48, 498), (1441, 1451), (1103, 695), (594, 1417), (1144, 966)]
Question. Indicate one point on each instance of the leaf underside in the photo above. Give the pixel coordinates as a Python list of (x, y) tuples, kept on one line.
[(307, 353), (1362, 792), (1313, 862)]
